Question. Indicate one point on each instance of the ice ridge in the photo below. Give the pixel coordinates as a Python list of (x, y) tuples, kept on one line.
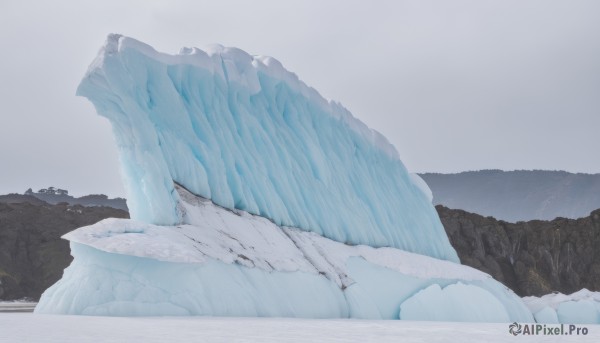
[(247, 134)]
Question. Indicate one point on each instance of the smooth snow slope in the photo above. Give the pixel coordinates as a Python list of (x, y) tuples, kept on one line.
[(248, 134), (26, 327), (231, 263)]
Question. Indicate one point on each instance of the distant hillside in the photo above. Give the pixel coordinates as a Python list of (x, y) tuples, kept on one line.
[(32, 254), (517, 195), (535, 257), (54, 196)]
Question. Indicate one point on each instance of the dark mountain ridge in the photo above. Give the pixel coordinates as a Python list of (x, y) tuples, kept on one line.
[(52, 195), (518, 195)]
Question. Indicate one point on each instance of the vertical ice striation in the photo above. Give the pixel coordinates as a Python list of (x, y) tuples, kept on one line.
[(248, 134)]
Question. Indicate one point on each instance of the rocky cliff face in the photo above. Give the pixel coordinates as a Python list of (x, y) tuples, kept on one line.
[(532, 258), (32, 254)]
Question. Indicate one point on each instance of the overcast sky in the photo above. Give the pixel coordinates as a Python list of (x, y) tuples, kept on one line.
[(454, 85)]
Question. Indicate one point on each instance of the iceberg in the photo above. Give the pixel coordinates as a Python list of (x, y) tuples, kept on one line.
[(251, 195), (581, 307)]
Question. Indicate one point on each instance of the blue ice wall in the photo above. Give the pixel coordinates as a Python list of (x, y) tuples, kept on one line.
[(246, 133)]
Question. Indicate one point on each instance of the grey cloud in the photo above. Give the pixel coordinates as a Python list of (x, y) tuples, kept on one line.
[(455, 85)]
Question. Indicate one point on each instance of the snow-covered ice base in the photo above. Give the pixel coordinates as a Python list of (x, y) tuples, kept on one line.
[(582, 307), (27, 327), (231, 263)]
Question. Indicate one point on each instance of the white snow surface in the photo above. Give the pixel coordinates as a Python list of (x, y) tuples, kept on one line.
[(247, 134), (231, 263), (27, 327)]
